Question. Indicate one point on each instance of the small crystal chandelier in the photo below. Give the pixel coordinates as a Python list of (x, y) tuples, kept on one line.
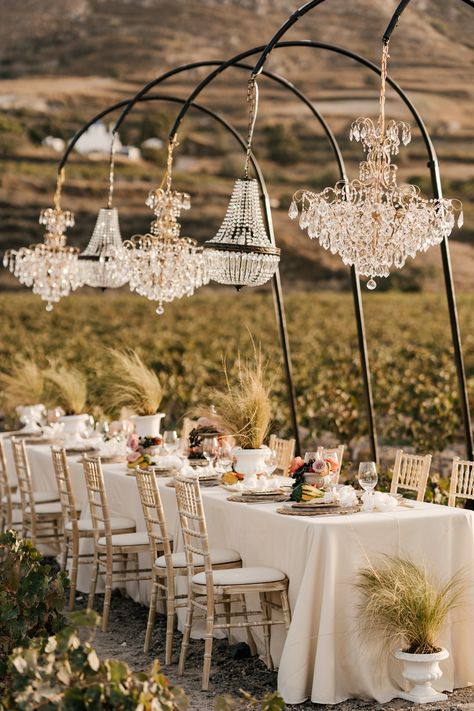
[(372, 222), (101, 264), (51, 268), (162, 265), (241, 253)]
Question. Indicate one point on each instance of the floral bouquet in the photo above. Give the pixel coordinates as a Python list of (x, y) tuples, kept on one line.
[(310, 477), (141, 448)]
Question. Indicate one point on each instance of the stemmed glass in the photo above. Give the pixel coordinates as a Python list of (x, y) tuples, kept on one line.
[(368, 476), (170, 441), (271, 462), (224, 459), (210, 447)]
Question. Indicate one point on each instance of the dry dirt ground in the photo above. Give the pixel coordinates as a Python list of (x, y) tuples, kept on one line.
[(125, 637)]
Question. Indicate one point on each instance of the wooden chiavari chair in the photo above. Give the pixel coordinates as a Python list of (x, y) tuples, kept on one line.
[(284, 450), (8, 500), (462, 481), (115, 541), (168, 565), (42, 520), (411, 472), (211, 587)]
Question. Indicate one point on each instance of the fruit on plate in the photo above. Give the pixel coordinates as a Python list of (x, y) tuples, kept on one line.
[(142, 461), (232, 478), (306, 492)]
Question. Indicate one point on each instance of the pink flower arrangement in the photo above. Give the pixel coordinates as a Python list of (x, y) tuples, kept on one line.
[(320, 467), (133, 456), (133, 442), (296, 464)]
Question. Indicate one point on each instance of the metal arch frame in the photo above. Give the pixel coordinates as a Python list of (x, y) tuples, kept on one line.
[(396, 16), (355, 283), (277, 291), (433, 166)]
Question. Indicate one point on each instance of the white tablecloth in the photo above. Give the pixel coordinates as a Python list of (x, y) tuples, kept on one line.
[(324, 656)]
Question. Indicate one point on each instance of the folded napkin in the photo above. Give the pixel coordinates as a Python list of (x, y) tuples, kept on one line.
[(112, 448), (378, 501), (168, 461), (344, 495), (54, 429)]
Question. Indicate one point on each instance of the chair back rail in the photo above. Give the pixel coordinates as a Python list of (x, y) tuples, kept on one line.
[(23, 474), (411, 472), (6, 514), (97, 498), (153, 512), (193, 527), (462, 481), (284, 450), (63, 480)]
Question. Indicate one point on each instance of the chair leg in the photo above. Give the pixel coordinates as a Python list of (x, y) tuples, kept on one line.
[(74, 567), (151, 613), (186, 636), (170, 611), (93, 583), (108, 592), (250, 639), (266, 630), (64, 553), (228, 610), (208, 640), (285, 606)]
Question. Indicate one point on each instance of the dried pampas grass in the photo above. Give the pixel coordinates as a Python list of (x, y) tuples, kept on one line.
[(22, 385), (69, 387), (132, 384)]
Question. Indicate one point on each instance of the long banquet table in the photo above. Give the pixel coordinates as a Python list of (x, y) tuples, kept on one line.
[(323, 657)]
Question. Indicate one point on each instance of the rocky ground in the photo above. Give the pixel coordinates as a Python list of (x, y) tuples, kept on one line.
[(125, 637)]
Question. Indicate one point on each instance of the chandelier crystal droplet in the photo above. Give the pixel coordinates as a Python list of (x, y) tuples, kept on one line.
[(241, 253), (101, 262), (372, 222), (162, 265), (51, 269)]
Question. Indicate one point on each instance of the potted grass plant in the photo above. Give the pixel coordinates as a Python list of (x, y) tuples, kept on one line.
[(22, 392), (69, 387), (135, 386), (243, 410), (406, 609)]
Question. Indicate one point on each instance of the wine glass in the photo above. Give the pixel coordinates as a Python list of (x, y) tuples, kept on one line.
[(170, 441), (224, 459), (88, 428), (367, 476), (271, 462), (210, 447)]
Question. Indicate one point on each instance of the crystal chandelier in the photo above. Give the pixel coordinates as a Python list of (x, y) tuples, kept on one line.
[(101, 264), (372, 222), (241, 253), (51, 268), (162, 265)]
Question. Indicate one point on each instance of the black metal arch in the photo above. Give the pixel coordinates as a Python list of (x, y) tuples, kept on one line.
[(433, 166), (279, 309), (396, 16), (277, 291), (355, 283)]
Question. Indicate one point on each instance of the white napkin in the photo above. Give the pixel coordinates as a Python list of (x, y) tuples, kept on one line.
[(54, 429), (168, 461), (344, 495), (378, 501), (112, 448)]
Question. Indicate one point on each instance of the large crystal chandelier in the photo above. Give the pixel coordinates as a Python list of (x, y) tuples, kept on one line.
[(51, 268), (162, 265), (241, 253), (101, 262), (372, 222)]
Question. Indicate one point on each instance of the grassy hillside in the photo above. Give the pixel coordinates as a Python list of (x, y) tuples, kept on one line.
[(63, 62)]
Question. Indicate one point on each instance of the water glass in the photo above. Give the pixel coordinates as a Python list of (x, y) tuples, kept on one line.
[(271, 462), (170, 441), (367, 476), (210, 447)]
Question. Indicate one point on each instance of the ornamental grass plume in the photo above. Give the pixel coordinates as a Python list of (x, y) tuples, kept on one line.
[(22, 385), (69, 387), (404, 606), (243, 409), (132, 384)]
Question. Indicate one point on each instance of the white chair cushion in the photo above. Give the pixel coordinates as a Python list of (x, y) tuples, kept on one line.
[(117, 523), (40, 497), (52, 508), (241, 576), (219, 556), (127, 539)]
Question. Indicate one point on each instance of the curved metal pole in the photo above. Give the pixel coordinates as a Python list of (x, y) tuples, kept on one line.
[(279, 309), (437, 193), (396, 16), (355, 283)]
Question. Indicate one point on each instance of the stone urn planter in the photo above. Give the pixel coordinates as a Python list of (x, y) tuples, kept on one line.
[(422, 670), (148, 425), (249, 462)]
